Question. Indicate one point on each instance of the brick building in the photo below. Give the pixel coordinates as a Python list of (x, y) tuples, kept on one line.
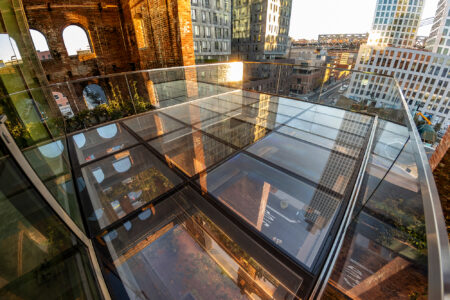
[(122, 35)]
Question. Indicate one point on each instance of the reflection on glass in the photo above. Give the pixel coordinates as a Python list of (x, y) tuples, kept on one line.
[(120, 184), (275, 107), (216, 105), (38, 254), (320, 141), (192, 151), (290, 213), (237, 132), (152, 125), (258, 117), (185, 255), (310, 161), (50, 162), (327, 132), (190, 114), (237, 98), (343, 124), (96, 143)]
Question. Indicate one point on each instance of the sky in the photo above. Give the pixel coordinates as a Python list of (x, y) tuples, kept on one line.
[(309, 18)]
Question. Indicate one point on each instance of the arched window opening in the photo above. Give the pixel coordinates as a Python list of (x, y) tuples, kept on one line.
[(94, 95), (40, 44), (9, 53), (76, 40)]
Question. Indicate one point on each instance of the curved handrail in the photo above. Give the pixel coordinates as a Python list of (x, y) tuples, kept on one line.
[(437, 239)]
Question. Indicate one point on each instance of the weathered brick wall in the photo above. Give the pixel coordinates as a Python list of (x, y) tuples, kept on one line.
[(110, 27), (103, 24)]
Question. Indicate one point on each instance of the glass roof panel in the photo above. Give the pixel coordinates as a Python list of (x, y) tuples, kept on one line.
[(237, 132), (119, 184), (325, 131), (184, 249), (284, 151), (294, 103), (152, 125), (216, 105), (291, 214), (190, 114), (98, 142), (320, 141), (191, 151), (275, 107), (237, 98)]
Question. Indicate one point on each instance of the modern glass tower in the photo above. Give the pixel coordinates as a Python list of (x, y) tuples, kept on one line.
[(439, 40), (396, 23)]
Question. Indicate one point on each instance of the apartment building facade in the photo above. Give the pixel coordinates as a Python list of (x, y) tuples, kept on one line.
[(211, 22), (423, 77), (260, 29)]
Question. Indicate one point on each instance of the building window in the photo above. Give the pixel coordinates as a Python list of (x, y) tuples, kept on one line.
[(203, 16), (76, 40), (196, 30), (139, 29), (194, 15)]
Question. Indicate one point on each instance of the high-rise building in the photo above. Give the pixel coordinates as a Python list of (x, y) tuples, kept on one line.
[(422, 75), (396, 23), (211, 22), (260, 29), (439, 40)]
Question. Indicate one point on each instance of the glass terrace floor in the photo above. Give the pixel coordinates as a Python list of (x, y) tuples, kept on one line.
[(239, 190)]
